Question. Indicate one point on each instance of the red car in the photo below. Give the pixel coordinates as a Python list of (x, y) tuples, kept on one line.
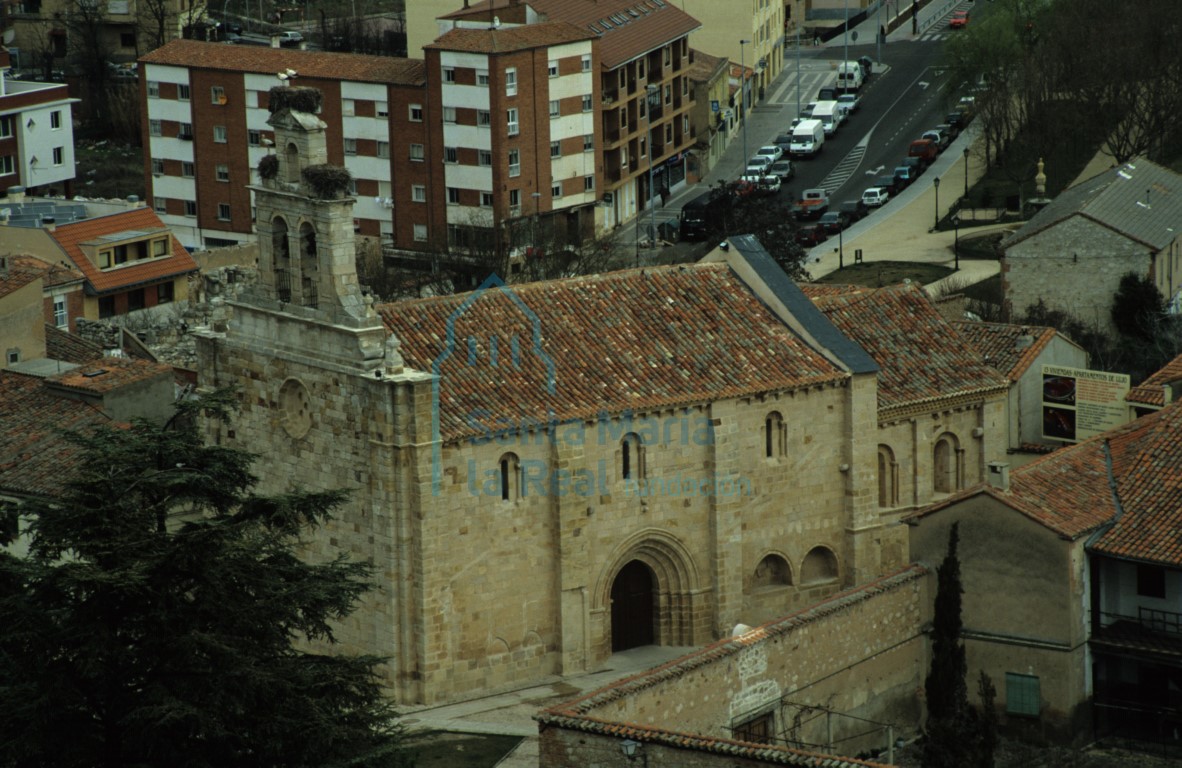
[(959, 20), (811, 235)]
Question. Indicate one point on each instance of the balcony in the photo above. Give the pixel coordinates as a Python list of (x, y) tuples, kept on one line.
[(1151, 632)]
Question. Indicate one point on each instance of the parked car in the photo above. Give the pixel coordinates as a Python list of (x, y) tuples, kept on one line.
[(890, 184), (834, 222), (741, 188), (916, 164), (795, 122), (875, 196), (849, 102), (924, 149), (290, 37), (770, 150), (781, 169), (784, 142), (948, 130), (827, 93), (760, 162), (959, 20), (941, 140), (855, 210), (807, 112), (810, 235), (904, 176), (957, 120), (231, 26)]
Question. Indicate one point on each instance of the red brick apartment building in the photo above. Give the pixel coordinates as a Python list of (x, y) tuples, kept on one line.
[(641, 57), (205, 123), (36, 135)]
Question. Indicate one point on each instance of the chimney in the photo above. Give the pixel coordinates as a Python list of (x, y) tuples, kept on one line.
[(3, 267), (1025, 341), (16, 194), (999, 475), (49, 223)]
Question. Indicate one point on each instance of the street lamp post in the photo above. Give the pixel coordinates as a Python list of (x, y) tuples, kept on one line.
[(649, 91), (966, 173), (936, 186), (878, 36), (798, 70), (743, 95), (845, 56), (956, 242)]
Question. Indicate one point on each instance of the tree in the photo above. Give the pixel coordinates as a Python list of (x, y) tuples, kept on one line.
[(768, 220), (162, 617), (1138, 307), (950, 718)]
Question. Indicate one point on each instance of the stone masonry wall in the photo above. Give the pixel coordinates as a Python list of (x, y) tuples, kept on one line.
[(1075, 266), (810, 659)]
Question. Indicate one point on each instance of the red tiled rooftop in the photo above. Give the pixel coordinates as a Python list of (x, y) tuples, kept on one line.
[(196, 54), (69, 347), (921, 356), (1005, 346), (34, 456), (509, 39), (69, 238), (53, 275), (1151, 391), (19, 274), (654, 25), (109, 373), (635, 340)]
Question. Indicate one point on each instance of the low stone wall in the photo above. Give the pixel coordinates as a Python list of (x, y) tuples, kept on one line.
[(829, 679)]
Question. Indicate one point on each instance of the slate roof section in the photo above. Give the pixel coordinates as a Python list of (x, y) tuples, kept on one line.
[(197, 54), (920, 355), (852, 355), (640, 26), (1151, 392), (1140, 200), (34, 456), (579, 714), (1009, 348), (69, 347), (629, 341), (509, 39), (70, 237)]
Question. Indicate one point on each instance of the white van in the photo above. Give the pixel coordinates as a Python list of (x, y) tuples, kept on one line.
[(807, 138), (849, 76), (830, 115)]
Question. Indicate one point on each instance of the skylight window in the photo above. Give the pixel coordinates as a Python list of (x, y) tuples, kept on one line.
[(606, 24)]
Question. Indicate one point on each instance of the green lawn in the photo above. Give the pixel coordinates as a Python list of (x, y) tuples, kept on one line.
[(882, 273)]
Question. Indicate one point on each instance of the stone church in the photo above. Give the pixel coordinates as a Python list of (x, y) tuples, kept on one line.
[(547, 473)]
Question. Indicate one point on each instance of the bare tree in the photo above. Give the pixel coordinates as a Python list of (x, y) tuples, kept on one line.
[(91, 53)]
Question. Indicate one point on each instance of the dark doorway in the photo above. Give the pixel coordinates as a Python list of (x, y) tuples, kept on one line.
[(633, 607)]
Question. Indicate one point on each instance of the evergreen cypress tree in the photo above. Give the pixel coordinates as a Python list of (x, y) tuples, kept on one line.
[(950, 718), (160, 615)]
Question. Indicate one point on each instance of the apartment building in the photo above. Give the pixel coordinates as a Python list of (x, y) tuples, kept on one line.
[(513, 136), (643, 55), (750, 32), (205, 122), (36, 135)]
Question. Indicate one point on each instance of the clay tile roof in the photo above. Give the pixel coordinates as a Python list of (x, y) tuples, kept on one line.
[(629, 341), (1069, 491), (70, 237), (69, 347), (509, 39), (920, 354), (108, 373), (20, 273), (703, 66), (1005, 346), (1147, 465), (580, 713), (196, 54), (641, 25), (53, 275), (1150, 391), (34, 456)]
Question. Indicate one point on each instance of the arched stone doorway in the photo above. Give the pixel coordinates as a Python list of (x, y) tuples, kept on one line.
[(633, 600)]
